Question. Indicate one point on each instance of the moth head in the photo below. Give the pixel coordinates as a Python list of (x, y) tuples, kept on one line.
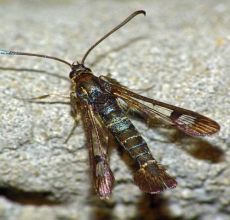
[(78, 69)]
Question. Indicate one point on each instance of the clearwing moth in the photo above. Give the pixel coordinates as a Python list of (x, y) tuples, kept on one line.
[(98, 99)]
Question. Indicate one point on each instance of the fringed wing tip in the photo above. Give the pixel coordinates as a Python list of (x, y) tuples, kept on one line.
[(153, 179), (104, 185), (195, 124)]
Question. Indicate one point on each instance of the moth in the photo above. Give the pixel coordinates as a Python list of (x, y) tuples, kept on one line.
[(98, 99)]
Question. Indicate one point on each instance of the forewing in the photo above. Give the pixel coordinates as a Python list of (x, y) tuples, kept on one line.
[(189, 122), (102, 175)]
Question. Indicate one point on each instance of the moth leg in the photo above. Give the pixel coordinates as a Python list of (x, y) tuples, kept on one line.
[(74, 110), (74, 106), (76, 121), (35, 99)]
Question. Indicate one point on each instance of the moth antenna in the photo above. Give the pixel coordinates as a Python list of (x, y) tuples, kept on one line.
[(112, 31), (17, 53)]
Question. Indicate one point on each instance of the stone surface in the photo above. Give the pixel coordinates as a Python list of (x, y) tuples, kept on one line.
[(180, 49)]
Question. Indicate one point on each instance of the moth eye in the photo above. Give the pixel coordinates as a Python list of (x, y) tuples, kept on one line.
[(71, 74)]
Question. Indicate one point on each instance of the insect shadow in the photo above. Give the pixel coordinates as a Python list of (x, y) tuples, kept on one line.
[(147, 207), (195, 146), (23, 197), (117, 49), (12, 69), (154, 208), (198, 148)]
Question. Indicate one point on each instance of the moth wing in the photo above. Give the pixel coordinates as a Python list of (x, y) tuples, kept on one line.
[(190, 122), (103, 178)]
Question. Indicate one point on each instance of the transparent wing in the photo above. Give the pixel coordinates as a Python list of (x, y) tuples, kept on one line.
[(189, 122), (103, 178)]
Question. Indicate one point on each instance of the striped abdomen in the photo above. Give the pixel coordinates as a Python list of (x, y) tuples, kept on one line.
[(125, 132), (150, 177)]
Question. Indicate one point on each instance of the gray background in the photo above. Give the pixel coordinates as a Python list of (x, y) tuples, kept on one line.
[(180, 49)]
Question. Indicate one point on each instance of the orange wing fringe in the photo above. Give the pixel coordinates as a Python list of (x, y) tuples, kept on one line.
[(152, 178), (104, 180)]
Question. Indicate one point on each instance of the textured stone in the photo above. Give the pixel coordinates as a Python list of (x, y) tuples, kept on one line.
[(180, 50)]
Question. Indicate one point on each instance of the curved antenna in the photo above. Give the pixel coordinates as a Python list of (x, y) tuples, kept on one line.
[(15, 53), (110, 32)]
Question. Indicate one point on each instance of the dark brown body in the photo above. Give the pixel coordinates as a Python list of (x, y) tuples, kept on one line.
[(92, 91), (113, 117)]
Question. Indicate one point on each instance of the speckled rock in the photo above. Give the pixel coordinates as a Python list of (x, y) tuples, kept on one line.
[(180, 50)]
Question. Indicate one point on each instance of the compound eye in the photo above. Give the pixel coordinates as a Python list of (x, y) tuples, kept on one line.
[(71, 74)]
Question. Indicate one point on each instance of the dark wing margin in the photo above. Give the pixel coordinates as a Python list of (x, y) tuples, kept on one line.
[(102, 175), (189, 122), (152, 178)]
